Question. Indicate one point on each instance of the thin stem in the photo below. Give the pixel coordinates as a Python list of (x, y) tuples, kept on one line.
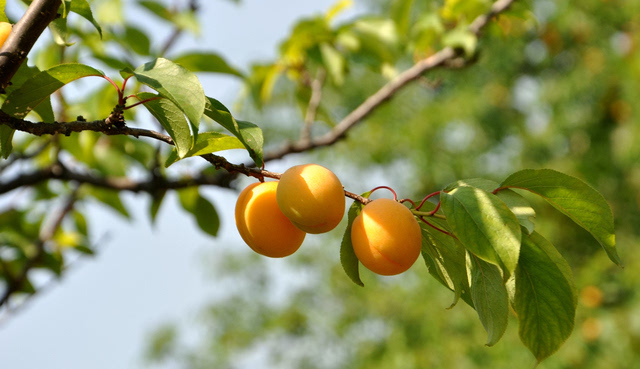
[(427, 198), (409, 201), (395, 196), (142, 102)]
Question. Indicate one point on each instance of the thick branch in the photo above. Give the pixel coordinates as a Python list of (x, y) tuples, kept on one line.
[(387, 91), (23, 36)]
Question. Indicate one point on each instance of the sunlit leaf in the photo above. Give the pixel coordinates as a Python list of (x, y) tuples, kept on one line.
[(207, 143), (177, 84), (574, 198), (82, 8), (206, 62), (248, 133), (484, 225)]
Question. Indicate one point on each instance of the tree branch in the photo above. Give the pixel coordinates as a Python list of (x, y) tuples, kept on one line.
[(23, 36), (386, 92)]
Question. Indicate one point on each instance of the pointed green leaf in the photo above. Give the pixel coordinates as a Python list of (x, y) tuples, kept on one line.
[(484, 225), (109, 198), (156, 201), (489, 296), (445, 259), (202, 210), (40, 86), (172, 120), (574, 198), (545, 297), (137, 40), (82, 8), (516, 202), (33, 94), (334, 62), (177, 84), (248, 133), (348, 257), (206, 62), (207, 143)]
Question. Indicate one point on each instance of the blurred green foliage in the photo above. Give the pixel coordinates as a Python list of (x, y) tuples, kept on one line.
[(552, 90)]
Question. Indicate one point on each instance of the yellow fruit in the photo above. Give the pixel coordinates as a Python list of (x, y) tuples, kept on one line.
[(261, 223), (5, 29), (312, 197), (386, 237)]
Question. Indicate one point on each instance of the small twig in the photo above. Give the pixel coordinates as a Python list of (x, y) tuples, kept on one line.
[(314, 103), (387, 91)]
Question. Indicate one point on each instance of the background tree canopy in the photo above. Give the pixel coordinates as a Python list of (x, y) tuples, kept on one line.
[(543, 85)]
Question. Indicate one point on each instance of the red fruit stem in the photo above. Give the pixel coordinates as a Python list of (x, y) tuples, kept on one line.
[(408, 200), (427, 198), (435, 210), (395, 196), (142, 102)]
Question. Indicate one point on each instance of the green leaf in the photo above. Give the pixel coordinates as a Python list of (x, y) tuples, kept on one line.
[(35, 89), (461, 38), (574, 198), (484, 225), (206, 62), (348, 257), (334, 62), (109, 198), (172, 120), (156, 202), (80, 222), (3, 16), (203, 211), (489, 296), (156, 8), (177, 84), (59, 31), (248, 133), (40, 86), (82, 8), (401, 15), (136, 40), (445, 259), (84, 249), (207, 143), (516, 202), (545, 297)]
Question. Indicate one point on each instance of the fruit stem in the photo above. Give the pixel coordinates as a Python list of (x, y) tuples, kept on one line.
[(408, 200), (427, 198), (395, 196), (142, 102)]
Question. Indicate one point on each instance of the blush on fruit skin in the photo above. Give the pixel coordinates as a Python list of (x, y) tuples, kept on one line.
[(386, 237), (261, 223), (5, 30), (312, 197)]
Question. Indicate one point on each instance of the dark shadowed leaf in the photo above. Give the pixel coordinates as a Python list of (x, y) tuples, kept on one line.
[(545, 297), (348, 257), (489, 296)]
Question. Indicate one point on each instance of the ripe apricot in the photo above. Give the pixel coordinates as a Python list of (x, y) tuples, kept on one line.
[(5, 29), (386, 237), (261, 223), (312, 197)]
